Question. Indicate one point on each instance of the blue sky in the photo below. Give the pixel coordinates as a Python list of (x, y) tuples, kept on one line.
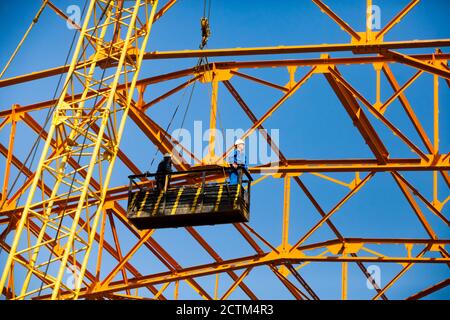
[(312, 124)]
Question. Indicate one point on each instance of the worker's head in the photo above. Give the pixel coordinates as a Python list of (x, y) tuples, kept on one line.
[(239, 144), (168, 157)]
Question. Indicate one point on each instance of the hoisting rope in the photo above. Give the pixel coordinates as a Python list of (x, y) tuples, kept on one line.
[(33, 22), (206, 32), (204, 24), (172, 119)]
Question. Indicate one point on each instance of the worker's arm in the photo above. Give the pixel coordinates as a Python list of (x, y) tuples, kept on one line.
[(168, 167), (232, 160), (241, 160)]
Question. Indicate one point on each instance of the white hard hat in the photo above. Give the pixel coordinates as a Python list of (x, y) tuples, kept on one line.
[(167, 155), (239, 141)]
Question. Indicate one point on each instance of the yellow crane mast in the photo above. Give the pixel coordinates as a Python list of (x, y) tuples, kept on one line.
[(87, 127), (71, 216)]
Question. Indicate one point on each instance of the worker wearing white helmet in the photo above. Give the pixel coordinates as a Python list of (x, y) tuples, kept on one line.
[(237, 159)]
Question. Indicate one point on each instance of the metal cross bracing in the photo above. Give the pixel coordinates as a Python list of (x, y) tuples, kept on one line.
[(66, 214)]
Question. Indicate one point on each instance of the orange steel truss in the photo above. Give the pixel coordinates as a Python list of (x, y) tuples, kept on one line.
[(95, 208)]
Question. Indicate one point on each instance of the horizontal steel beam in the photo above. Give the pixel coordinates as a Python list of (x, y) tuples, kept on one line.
[(380, 241), (320, 48), (240, 263), (49, 103), (292, 167), (350, 165), (240, 64)]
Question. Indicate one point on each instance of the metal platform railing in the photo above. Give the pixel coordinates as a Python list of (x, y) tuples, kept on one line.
[(195, 202)]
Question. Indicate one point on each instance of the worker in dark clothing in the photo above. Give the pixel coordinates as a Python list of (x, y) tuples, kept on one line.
[(162, 177)]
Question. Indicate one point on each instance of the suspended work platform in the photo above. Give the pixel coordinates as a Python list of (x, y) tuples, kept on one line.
[(192, 201)]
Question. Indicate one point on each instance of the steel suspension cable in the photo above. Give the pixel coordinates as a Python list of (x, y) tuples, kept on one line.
[(33, 22)]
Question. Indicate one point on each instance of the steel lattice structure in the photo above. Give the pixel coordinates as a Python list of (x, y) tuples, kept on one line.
[(69, 205)]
